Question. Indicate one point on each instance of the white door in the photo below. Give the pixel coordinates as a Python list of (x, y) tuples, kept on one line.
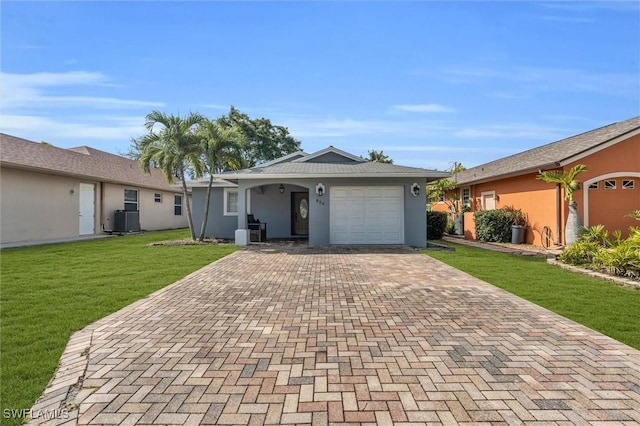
[(87, 209), (488, 200), (366, 215)]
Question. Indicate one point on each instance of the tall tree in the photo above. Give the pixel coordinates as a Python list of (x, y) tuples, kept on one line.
[(172, 145), (379, 157), (570, 184), (263, 140), (438, 190), (222, 150)]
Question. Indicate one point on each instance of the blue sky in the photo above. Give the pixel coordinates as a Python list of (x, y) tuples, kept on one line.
[(426, 82)]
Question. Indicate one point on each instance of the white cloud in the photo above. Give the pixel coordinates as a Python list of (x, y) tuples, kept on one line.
[(321, 127), (566, 19), (31, 91), (423, 108), (91, 128), (552, 79), (513, 131)]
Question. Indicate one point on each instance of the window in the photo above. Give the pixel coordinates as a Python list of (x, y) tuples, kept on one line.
[(594, 185), (131, 199), (609, 184), (157, 197), (488, 200), (466, 197), (177, 205), (230, 202), (628, 184)]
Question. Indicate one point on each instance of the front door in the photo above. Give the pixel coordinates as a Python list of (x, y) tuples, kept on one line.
[(300, 213), (87, 209)]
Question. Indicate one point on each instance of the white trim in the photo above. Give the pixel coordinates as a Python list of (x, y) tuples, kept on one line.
[(632, 186), (585, 194), (124, 198), (283, 159), (428, 177), (462, 196), (181, 205), (225, 196), (482, 194), (600, 147), (225, 212)]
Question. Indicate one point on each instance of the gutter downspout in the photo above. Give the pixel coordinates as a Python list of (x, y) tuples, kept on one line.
[(102, 217), (558, 215)]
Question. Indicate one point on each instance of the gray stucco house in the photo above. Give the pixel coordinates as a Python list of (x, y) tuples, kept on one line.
[(329, 197)]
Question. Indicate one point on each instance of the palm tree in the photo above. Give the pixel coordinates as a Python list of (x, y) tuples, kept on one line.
[(173, 148), (570, 184), (222, 150), (379, 157)]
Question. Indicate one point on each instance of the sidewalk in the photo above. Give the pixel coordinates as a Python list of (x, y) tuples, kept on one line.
[(519, 249), (54, 241)]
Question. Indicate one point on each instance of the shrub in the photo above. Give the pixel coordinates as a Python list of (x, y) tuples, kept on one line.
[(581, 252), (493, 225), (596, 251), (436, 224)]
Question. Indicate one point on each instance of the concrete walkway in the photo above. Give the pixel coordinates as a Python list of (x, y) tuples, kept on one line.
[(277, 335)]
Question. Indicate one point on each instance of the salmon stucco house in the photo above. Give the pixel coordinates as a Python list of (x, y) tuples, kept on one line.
[(50, 193), (609, 190)]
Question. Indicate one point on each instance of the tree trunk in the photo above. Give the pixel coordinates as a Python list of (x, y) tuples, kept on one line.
[(572, 230), (206, 209), (186, 202)]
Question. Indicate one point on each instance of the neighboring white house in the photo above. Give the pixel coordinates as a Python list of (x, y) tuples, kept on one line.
[(329, 197), (54, 193)]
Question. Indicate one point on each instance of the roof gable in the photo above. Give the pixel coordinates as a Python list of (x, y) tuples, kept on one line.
[(289, 157), (329, 162), (551, 155), (330, 155)]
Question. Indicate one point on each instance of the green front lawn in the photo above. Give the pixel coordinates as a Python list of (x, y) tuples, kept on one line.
[(595, 303), (50, 291)]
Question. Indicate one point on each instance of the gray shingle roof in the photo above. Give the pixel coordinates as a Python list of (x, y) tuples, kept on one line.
[(303, 169), (550, 155), (82, 162)]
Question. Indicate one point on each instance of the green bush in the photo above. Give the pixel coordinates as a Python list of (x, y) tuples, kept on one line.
[(436, 225), (493, 225), (594, 250), (580, 253)]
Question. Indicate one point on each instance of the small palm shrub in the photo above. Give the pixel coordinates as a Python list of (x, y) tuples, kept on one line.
[(580, 253), (596, 250), (493, 225), (436, 224)]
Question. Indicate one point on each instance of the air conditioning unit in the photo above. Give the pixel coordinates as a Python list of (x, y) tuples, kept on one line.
[(126, 221)]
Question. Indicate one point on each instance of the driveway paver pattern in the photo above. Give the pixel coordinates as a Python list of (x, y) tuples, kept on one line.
[(299, 335)]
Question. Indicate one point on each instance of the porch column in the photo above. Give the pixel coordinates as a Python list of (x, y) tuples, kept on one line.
[(242, 233)]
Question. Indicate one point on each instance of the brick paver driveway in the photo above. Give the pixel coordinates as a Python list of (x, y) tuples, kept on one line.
[(298, 335)]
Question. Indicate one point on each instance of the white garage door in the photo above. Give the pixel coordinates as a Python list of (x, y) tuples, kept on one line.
[(366, 215)]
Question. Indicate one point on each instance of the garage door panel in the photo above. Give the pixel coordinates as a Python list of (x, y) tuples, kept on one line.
[(367, 215)]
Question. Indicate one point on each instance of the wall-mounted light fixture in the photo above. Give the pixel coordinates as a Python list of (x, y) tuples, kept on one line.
[(415, 189), (320, 189), (281, 188)]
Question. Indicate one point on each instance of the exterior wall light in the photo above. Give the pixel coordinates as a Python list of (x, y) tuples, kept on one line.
[(320, 189), (281, 188), (415, 189)]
